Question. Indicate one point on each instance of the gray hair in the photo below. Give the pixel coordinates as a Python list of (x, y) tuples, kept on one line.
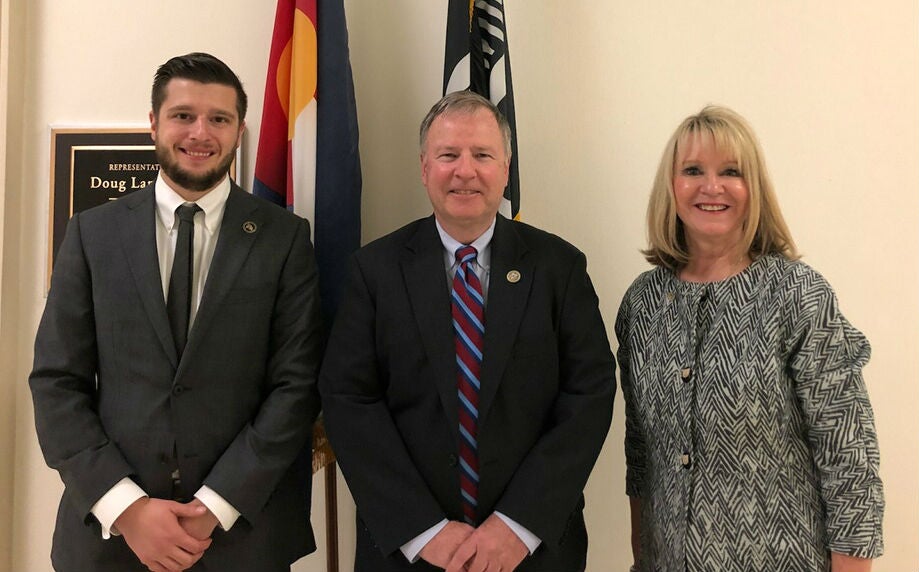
[(465, 102)]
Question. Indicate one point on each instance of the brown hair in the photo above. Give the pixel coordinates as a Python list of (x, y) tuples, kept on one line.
[(200, 67)]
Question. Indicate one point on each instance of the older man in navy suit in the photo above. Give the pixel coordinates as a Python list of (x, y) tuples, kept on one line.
[(468, 383), (175, 363)]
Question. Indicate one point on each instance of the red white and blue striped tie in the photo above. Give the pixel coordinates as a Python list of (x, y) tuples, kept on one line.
[(469, 334)]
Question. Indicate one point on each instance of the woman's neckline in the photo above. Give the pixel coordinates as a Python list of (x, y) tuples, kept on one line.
[(736, 269)]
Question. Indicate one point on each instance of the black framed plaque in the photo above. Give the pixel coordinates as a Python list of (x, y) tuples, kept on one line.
[(92, 166)]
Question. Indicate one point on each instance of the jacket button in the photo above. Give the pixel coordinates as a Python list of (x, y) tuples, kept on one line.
[(178, 390), (685, 460), (453, 460), (686, 374)]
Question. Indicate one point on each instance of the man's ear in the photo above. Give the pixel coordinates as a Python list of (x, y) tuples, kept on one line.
[(152, 126), (239, 137), (424, 170)]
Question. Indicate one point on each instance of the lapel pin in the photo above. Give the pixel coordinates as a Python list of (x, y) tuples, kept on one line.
[(513, 277), (249, 227)]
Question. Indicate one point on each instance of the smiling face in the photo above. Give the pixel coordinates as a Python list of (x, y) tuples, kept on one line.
[(711, 195), (464, 167), (196, 132)]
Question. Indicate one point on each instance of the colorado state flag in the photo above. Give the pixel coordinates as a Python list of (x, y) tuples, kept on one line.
[(308, 159)]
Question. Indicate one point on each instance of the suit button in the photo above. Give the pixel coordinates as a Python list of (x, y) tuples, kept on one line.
[(686, 374), (178, 390), (685, 460), (453, 460)]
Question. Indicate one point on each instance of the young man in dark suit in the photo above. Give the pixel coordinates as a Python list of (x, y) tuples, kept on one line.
[(467, 391), (175, 363)]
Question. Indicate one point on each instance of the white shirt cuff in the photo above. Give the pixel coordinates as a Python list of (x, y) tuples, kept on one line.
[(225, 512), (531, 541), (108, 508), (412, 548)]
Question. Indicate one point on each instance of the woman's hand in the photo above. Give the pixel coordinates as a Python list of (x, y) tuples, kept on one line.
[(635, 509)]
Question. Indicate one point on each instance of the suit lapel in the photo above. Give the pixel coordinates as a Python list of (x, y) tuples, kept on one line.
[(506, 304), (233, 245), (138, 238), (425, 278)]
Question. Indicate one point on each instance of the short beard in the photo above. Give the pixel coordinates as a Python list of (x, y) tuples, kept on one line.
[(186, 180)]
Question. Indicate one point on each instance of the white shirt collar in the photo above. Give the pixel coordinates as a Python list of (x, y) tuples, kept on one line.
[(212, 203), (482, 244)]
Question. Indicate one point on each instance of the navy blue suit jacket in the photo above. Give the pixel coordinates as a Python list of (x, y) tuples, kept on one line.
[(390, 401)]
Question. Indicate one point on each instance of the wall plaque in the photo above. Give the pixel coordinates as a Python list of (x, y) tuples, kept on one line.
[(92, 166)]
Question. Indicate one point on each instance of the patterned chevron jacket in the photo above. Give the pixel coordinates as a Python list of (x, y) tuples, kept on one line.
[(749, 434)]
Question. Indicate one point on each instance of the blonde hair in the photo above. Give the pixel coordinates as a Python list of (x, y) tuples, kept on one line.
[(765, 231)]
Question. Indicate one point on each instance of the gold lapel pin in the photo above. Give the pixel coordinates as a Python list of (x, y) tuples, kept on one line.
[(513, 277), (249, 227)]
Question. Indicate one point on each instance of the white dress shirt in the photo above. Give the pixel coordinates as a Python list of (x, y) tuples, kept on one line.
[(207, 228), (482, 268)]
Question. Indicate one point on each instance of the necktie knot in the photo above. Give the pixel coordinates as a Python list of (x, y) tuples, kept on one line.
[(187, 213), (466, 254)]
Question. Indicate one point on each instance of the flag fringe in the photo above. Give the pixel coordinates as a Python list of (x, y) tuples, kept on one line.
[(322, 449)]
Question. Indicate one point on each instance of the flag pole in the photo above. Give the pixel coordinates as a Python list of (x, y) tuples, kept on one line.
[(331, 517)]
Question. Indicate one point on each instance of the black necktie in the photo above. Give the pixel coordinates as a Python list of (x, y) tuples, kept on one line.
[(178, 301)]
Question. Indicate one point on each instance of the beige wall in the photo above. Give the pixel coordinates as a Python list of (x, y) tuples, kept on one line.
[(832, 88), (7, 390)]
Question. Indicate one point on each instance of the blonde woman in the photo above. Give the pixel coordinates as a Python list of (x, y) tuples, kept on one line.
[(750, 441)]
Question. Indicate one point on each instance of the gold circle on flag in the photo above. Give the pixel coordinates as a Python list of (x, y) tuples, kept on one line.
[(301, 52)]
